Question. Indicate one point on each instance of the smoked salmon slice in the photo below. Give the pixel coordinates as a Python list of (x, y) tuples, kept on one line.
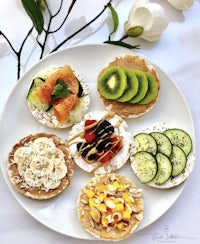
[(61, 106)]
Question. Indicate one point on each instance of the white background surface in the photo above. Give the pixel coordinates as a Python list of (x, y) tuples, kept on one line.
[(177, 53)]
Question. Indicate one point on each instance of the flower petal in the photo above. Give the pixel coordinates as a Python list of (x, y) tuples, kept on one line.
[(149, 17), (137, 4), (144, 17), (159, 24), (181, 4)]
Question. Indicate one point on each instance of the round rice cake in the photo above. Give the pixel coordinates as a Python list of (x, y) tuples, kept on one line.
[(97, 164), (40, 166), (125, 109), (172, 181), (110, 207), (48, 118)]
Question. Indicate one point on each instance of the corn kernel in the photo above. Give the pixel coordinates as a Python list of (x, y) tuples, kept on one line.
[(128, 208), (130, 204), (102, 208), (92, 203), (126, 197), (120, 226), (100, 188), (126, 216), (101, 197), (116, 200), (118, 185), (95, 216), (104, 220), (119, 207), (90, 194)]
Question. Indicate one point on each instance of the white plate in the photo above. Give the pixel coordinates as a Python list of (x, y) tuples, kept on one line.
[(59, 213)]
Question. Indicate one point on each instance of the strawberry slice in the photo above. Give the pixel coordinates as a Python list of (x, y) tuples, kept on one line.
[(90, 137), (90, 122), (106, 157), (116, 144)]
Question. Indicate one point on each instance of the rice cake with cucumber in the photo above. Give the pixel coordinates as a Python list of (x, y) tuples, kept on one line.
[(58, 97), (162, 156), (128, 86)]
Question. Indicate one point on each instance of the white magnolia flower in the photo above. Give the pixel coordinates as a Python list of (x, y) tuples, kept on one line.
[(181, 4), (146, 20)]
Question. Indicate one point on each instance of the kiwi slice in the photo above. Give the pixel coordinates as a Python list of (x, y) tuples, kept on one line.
[(132, 86), (152, 90), (143, 86), (112, 82)]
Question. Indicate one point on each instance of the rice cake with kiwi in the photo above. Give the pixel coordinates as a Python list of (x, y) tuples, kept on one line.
[(110, 207), (130, 109)]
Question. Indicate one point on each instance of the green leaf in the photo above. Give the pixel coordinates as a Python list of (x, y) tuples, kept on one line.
[(35, 14), (42, 4), (115, 20), (60, 90), (122, 44)]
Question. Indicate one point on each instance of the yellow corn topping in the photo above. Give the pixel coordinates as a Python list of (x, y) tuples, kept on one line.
[(95, 216), (101, 197), (118, 185), (90, 194), (92, 203), (111, 208), (102, 207), (104, 220), (126, 197), (120, 226), (119, 207), (126, 215)]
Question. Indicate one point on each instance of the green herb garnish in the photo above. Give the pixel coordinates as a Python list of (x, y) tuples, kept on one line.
[(60, 91)]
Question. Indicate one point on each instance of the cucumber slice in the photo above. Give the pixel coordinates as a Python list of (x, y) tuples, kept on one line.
[(178, 160), (180, 138), (163, 143), (33, 99), (145, 166), (145, 142), (164, 169)]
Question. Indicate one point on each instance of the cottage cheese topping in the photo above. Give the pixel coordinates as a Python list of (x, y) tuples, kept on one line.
[(41, 163)]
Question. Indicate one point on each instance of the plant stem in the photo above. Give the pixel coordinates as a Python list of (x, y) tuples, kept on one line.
[(9, 43), (69, 11), (82, 28), (48, 32), (123, 37), (51, 17), (20, 52), (17, 53)]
